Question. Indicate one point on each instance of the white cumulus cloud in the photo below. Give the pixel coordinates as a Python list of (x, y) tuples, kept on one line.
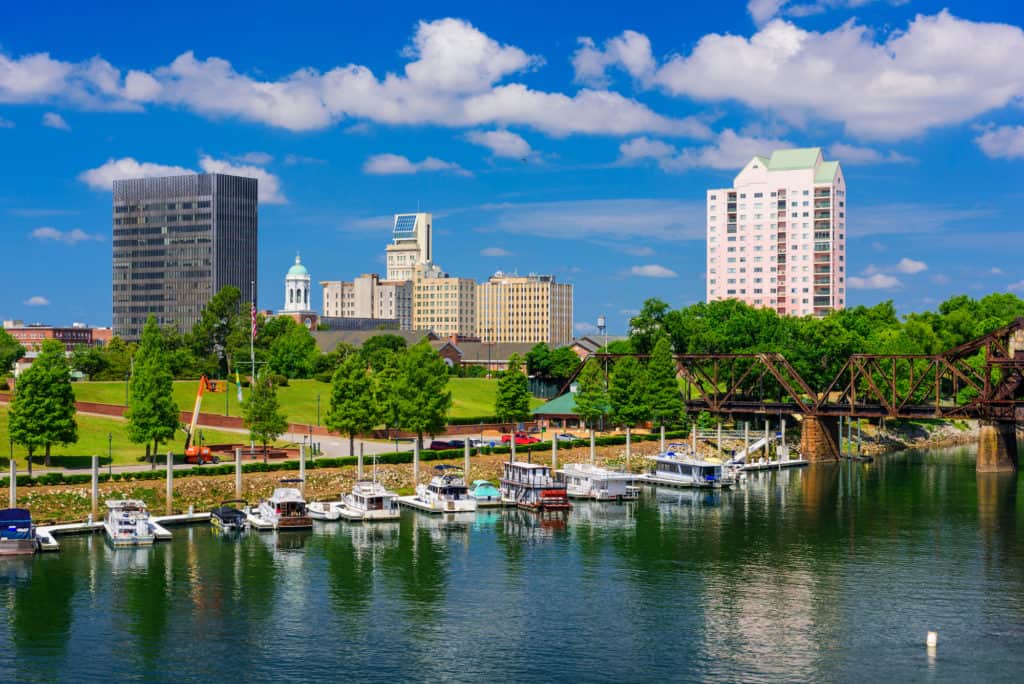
[(853, 155), (910, 266), (102, 177), (70, 237), (877, 281), (1004, 142), (631, 50), (501, 143), (495, 252), (730, 150), (940, 70), (55, 120), (653, 271), (396, 164), (37, 300)]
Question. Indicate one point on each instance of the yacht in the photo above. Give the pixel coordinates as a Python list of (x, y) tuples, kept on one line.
[(128, 524), (485, 493), (17, 533), (228, 518), (284, 510), (677, 467), (586, 481), (370, 500), (531, 486), (446, 493)]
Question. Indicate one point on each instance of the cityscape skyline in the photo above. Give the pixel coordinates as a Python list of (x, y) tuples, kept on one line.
[(581, 148)]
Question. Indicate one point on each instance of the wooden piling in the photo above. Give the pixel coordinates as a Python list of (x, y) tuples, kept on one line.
[(238, 472), (465, 470), (12, 487), (95, 486), (170, 482)]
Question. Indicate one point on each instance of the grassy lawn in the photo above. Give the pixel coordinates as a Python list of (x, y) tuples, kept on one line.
[(92, 439), (470, 397)]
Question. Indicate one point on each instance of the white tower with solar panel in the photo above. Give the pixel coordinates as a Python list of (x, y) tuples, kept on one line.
[(411, 245)]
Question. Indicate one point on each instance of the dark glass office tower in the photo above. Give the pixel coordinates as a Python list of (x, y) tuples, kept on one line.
[(177, 242)]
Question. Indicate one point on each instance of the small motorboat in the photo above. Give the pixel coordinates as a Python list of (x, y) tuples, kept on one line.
[(325, 510), (485, 493), (17, 533), (228, 518)]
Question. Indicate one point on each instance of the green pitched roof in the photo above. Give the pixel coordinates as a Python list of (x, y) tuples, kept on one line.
[(761, 158), (798, 158), (826, 172), (564, 405)]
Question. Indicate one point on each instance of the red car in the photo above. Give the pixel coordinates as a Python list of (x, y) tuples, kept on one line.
[(521, 438)]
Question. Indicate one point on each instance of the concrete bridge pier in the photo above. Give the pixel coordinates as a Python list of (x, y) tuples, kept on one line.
[(997, 446), (819, 439)]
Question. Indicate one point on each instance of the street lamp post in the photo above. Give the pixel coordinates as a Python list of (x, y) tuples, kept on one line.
[(110, 453)]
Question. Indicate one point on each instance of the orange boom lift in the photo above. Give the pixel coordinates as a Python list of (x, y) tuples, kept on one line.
[(201, 454)]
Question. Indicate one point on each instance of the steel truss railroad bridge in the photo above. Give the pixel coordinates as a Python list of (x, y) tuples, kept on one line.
[(980, 380)]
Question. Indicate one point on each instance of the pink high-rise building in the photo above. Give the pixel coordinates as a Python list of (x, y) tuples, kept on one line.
[(777, 238)]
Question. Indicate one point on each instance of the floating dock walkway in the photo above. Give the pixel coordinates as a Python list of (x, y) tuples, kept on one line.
[(48, 534), (776, 465)]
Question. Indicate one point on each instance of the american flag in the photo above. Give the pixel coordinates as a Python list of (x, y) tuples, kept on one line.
[(253, 311)]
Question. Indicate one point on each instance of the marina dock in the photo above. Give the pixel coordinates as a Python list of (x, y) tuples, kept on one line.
[(776, 465), (48, 534)]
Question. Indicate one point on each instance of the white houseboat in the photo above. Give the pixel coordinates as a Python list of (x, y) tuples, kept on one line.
[(531, 486), (370, 500), (586, 481), (446, 493), (676, 467), (284, 510), (128, 524)]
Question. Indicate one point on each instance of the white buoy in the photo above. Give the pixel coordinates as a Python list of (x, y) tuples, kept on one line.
[(932, 639)]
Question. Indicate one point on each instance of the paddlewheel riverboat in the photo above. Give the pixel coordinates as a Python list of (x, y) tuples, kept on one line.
[(531, 486)]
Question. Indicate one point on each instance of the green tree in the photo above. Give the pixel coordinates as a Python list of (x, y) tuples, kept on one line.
[(648, 325), (423, 390), (118, 355), (665, 401), (152, 413), (293, 353), (221, 328), (512, 402), (262, 414), (377, 348), (352, 407), (90, 360), (562, 363), (387, 390), (42, 412), (538, 360), (10, 351), (591, 398), (629, 397)]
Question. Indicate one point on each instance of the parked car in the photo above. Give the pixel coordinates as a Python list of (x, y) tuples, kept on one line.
[(457, 443), (440, 445), (565, 437), (521, 438), (477, 443)]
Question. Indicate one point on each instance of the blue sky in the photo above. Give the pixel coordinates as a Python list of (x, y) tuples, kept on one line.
[(567, 138)]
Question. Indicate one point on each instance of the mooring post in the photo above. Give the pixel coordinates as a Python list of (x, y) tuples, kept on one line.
[(170, 482), (860, 448), (629, 446), (415, 462), (593, 448), (782, 437), (12, 486), (95, 486), (465, 470), (359, 463), (767, 438), (302, 467), (841, 451), (238, 472), (719, 439), (746, 441), (849, 436), (554, 453), (693, 441), (661, 440)]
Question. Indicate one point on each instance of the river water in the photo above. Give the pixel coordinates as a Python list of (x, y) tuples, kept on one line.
[(821, 574)]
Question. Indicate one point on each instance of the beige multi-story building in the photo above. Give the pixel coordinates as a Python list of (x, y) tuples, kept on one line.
[(777, 238), (369, 297), (442, 303), (411, 245), (532, 308)]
